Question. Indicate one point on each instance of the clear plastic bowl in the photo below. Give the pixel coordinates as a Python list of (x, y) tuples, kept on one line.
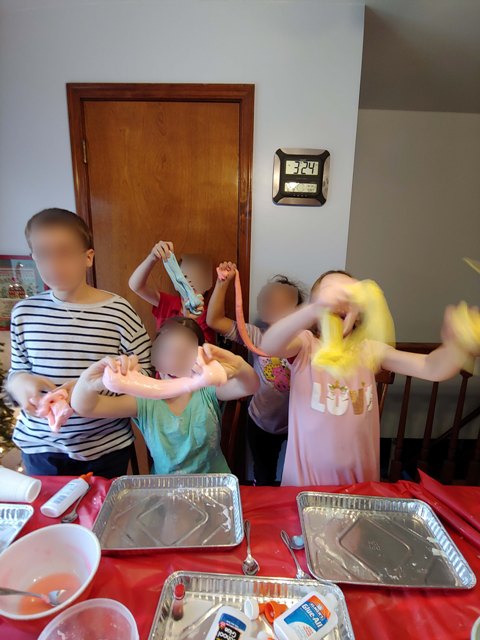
[(97, 619)]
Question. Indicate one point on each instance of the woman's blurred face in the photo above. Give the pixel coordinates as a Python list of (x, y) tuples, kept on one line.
[(175, 352), (275, 301)]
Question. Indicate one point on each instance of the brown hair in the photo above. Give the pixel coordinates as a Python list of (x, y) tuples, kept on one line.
[(60, 218), (329, 273), (281, 279), (187, 323)]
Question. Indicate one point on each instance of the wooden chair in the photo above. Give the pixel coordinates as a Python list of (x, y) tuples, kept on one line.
[(452, 434), (133, 468), (233, 441), (448, 469), (384, 379), (473, 474), (140, 458)]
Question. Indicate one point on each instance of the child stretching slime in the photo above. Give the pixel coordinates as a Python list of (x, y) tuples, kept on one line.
[(197, 269), (182, 433), (334, 425), (268, 409)]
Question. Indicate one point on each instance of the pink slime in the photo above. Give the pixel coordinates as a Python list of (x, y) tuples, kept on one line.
[(136, 384), (54, 406), (241, 326)]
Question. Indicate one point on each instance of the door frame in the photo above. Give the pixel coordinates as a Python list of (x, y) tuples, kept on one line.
[(242, 94)]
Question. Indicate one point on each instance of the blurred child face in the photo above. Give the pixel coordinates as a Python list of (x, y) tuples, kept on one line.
[(275, 301), (175, 352), (197, 272), (336, 280), (60, 256)]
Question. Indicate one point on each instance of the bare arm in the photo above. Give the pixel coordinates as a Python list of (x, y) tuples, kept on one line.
[(216, 318), (242, 379), (441, 364), (86, 399), (27, 389), (138, 281), (282, 339)]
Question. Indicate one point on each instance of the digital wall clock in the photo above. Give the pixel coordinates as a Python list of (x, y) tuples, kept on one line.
[(300, 177)]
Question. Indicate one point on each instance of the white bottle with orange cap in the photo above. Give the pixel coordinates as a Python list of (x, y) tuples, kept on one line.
[(313, 617), (67, 495)]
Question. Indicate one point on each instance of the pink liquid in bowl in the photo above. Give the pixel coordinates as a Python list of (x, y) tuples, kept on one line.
[(68, 581)]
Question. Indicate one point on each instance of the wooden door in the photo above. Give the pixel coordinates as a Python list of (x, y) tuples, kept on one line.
[(162, 162)]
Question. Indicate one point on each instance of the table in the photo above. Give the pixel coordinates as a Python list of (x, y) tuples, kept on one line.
[(376, 613)]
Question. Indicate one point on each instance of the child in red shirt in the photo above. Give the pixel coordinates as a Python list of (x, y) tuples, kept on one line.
[(196, 268)]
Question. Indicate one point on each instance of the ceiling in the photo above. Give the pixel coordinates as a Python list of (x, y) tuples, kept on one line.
[(421, 55)]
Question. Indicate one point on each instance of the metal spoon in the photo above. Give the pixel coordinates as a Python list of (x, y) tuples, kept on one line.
[(300, 575), (250, 566), (53, 598), (72, 515)]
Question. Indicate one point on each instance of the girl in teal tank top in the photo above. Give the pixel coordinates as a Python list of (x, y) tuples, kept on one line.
[(183, 433)]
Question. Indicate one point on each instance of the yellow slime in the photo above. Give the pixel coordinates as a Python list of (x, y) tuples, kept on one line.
[(475, 264), (340, 356), (466, 321), (466, 326)]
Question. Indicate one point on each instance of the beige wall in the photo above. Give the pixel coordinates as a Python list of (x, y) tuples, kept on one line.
[(416, 212)]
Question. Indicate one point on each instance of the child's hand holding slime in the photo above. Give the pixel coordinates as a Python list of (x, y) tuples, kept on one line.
[(341, 354), (192, 302), (464, 327), (130, 381), (54, 406), (226, 273), (462, 323)]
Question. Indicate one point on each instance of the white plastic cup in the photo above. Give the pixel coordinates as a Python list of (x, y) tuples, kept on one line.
[(97, 619), (16, 487)]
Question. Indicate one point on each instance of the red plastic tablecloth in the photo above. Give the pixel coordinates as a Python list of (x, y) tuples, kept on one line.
[(376, 613)]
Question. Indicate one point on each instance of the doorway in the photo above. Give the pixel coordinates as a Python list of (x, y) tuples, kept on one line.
[(162, 162)]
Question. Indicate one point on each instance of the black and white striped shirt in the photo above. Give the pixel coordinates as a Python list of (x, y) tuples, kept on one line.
[(59, 340)]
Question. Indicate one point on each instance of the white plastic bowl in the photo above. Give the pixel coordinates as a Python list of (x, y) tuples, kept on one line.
[(475, 635), (60, 548), (98, 619)]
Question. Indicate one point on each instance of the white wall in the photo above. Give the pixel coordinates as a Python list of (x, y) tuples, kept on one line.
[(415, 213), (304, 57)]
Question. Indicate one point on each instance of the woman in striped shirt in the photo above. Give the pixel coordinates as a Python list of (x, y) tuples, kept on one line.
[(58, 334)]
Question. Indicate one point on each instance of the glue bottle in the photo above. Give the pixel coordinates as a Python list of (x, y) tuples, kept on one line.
[(230, 624), (313, 617), (67, 495), (178, 598)]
